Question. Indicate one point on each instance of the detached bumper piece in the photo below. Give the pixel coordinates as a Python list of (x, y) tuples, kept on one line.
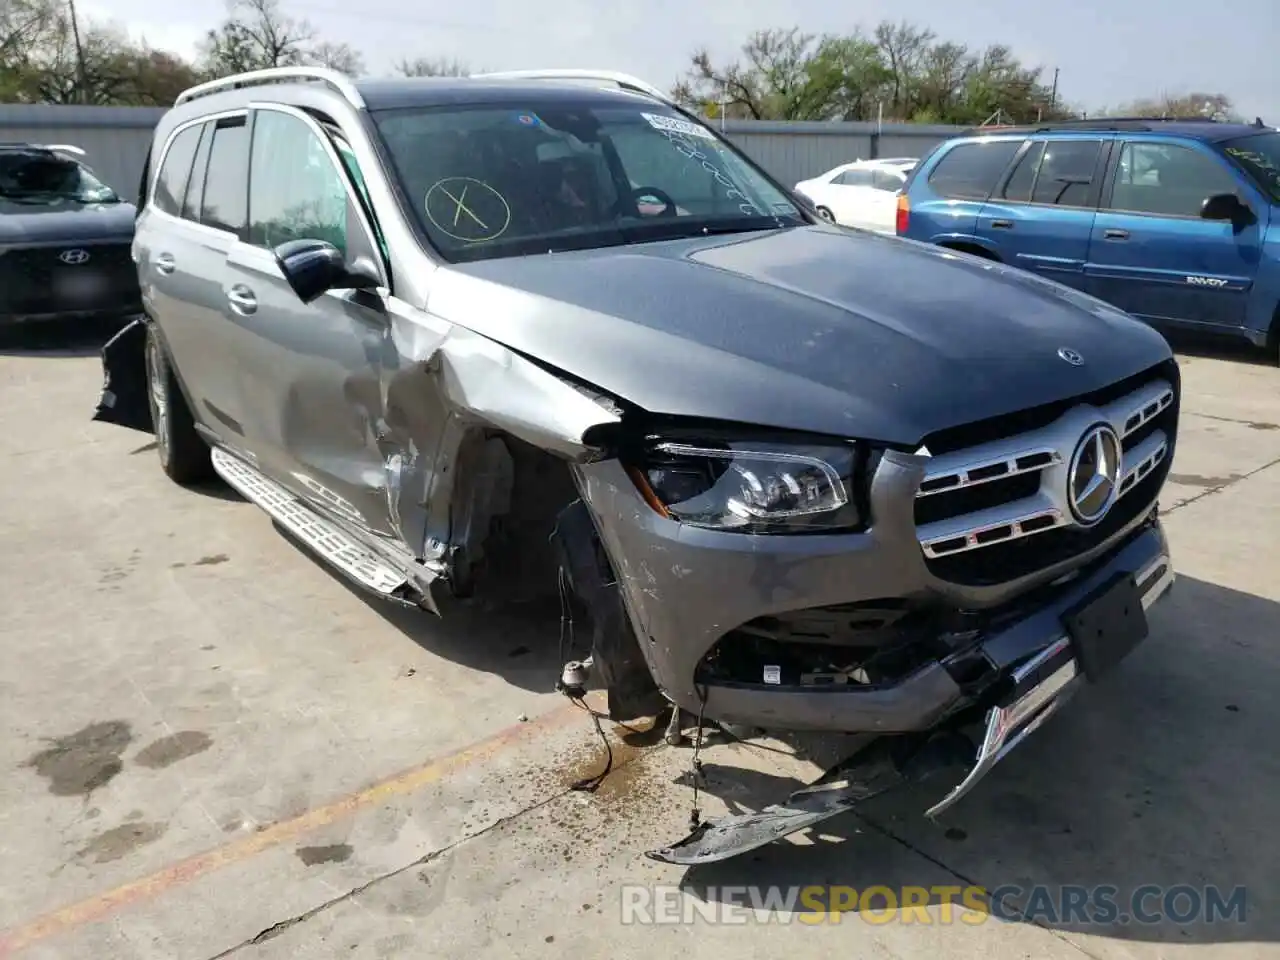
[(1099, 631), (123, 400), (887, 763)]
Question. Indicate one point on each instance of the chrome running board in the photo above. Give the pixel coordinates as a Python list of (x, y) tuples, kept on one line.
[(326, 539)]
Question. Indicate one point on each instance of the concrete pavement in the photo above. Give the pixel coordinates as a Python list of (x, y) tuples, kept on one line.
[(215, 748)]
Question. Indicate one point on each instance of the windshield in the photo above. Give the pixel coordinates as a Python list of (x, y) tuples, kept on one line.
[(39, 177), (489, 181), (1259, 155)]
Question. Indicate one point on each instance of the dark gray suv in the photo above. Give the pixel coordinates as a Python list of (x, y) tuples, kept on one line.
[(546, 331)]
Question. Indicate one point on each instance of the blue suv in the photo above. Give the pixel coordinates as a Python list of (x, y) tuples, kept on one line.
[(1176, 222)]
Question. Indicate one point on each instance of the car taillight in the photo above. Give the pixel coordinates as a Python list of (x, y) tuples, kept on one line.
[(904, 214)]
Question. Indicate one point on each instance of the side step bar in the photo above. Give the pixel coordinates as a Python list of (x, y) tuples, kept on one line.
[(362, 564)]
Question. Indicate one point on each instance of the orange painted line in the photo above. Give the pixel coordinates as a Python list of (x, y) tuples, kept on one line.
[(146, 888)]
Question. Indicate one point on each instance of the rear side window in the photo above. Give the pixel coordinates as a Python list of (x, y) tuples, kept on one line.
[(195, 184), (225, 205), (171, 184), (970, 171), (886, 181), (854, 178), (1023, 177), (1066, 172)]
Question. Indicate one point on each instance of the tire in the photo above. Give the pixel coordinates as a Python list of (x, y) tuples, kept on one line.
[(184, 456), (826, 215)]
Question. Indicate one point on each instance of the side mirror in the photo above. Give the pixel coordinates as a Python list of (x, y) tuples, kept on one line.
[(1224, 206), (314, 266)]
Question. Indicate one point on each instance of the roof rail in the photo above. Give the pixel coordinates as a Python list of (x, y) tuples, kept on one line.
[(339, 82), (1101, 124), (623, 80)]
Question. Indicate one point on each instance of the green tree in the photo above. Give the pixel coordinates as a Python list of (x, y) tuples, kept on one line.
[(899, 71)]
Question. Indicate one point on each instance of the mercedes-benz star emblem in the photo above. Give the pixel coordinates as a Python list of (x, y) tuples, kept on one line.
[(74, 257), (1093, 481), (1069, 355)]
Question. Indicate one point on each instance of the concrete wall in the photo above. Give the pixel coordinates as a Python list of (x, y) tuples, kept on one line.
[(794, 151), (116, 140)]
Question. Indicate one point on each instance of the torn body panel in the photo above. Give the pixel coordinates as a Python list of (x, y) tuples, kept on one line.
[(123, 400)]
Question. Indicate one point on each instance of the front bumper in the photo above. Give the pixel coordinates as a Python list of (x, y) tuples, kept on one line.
[(684, 588), (120, 313)]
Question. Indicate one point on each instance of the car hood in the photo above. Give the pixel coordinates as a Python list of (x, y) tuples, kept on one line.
[(66, 220), (810, 328)]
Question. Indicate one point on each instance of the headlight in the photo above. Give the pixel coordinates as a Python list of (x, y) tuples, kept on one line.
[(755, 487)]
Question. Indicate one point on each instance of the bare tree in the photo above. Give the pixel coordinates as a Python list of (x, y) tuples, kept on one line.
[(256, 34), (1197, 104), (433, 67), (337, 56)]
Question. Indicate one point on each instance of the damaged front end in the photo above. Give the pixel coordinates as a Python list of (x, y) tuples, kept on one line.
[(1099, 630)]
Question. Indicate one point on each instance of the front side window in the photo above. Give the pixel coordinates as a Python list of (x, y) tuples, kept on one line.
[(295, 191), (970, 171), (492, 181), (1166, 179), (40, 177), (1259, 157), (224, 205)]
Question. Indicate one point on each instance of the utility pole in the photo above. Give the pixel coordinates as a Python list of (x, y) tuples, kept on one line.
[(1053, 94), (81, 79)]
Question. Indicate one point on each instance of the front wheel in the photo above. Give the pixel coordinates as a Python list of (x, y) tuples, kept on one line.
[(826, 215), (184, 456)]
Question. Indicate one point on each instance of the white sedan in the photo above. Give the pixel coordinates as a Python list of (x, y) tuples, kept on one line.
[(862, 194)]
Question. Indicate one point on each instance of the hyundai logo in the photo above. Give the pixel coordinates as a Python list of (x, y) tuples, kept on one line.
[(74, 257), (1093, 481), (1069, 355)]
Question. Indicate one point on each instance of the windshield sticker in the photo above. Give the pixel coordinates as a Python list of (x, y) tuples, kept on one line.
[(467, 209), (676, 125), (731, 190)]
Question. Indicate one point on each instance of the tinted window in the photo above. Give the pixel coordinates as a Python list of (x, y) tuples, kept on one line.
[(970, 171), (1167, 180), (490, 181), (1066, 172), (1259, 155), (37, 176), (886, 181), (226, 190), (195, 184), (295, 190), (1023, 177), (854, 178), (171, 185)]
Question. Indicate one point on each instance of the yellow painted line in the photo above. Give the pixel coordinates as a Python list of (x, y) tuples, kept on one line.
[(146, 888)]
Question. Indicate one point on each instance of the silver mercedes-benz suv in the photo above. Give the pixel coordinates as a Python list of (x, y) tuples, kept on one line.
[(518, 333)]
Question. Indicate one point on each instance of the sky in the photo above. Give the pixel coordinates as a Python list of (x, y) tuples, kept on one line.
[(1108, 52)]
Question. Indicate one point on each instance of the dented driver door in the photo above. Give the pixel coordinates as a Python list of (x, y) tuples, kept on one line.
[(310, 376)]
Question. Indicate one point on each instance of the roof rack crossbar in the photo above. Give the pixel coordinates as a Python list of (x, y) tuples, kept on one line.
[(332, 78), (623, 80)]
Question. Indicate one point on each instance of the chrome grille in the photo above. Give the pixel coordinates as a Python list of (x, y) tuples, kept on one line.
[(1025, 476)]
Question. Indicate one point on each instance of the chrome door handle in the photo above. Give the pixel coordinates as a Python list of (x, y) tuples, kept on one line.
[(242, 299), (1111, 233), (164, 263)]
